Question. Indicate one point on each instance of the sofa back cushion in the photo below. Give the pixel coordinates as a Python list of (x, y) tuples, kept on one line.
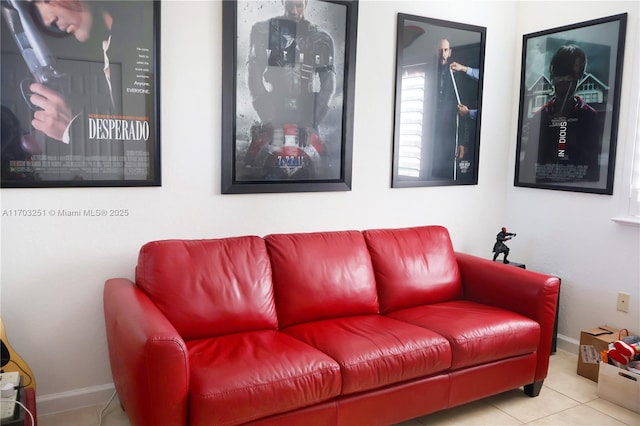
[(321, 275), (209, 287), (413, 266)]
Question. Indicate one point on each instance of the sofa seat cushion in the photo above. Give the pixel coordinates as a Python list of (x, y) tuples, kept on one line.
[(245, 376), (375, 351), (477, 333)]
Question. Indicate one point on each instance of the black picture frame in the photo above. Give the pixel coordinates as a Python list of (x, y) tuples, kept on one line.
[(438, 108), (106, 131), (571, 148), (293, 137)]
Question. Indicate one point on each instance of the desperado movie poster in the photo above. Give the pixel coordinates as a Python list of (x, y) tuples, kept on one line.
[(79, 102)]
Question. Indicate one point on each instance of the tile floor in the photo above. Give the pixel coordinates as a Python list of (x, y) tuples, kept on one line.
[(565, 399)]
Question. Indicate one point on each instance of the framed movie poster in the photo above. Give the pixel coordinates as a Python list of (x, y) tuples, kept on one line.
[(569, 100), (287, 101), (80, 93), (439, 74)]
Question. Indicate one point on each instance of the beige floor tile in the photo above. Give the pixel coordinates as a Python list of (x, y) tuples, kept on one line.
[(562, 378), (527, 409), (579, 415), (115, 417), (477, 413), (87, 416), (615, 411), (570, 384), (563, 361)]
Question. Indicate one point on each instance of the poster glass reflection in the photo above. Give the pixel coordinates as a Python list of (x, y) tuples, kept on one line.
[(569, 101), (287, 100), (439, 75)]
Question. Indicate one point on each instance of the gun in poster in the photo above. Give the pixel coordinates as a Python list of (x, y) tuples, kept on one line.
[(35, 53), (38, 59), (79, 93)]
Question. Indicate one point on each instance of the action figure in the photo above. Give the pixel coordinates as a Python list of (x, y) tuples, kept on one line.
[(500, 246)]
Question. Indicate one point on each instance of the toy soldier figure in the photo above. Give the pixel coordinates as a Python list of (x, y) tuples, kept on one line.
[(500, 246)]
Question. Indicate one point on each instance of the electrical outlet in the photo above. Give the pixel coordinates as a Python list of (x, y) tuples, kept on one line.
[(623, 302)]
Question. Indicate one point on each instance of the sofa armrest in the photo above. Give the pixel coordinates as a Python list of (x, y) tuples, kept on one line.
[(148, 358), (526, 292)]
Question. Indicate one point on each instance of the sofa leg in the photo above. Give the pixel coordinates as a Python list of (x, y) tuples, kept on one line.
[(534, 388)]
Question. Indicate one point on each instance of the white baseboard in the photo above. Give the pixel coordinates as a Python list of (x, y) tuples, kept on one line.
[(568, 344), (72, 400)]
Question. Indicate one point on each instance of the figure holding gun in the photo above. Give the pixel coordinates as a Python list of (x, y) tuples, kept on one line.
[(500, 246), (43, 93)]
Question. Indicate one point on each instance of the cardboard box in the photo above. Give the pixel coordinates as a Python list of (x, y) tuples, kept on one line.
[(599, 338), (619, 386)]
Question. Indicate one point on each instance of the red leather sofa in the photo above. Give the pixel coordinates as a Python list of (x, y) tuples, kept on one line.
[(328, 328)]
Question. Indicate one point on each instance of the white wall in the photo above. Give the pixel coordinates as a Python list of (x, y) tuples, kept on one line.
[(571, 234), (54, 268)]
